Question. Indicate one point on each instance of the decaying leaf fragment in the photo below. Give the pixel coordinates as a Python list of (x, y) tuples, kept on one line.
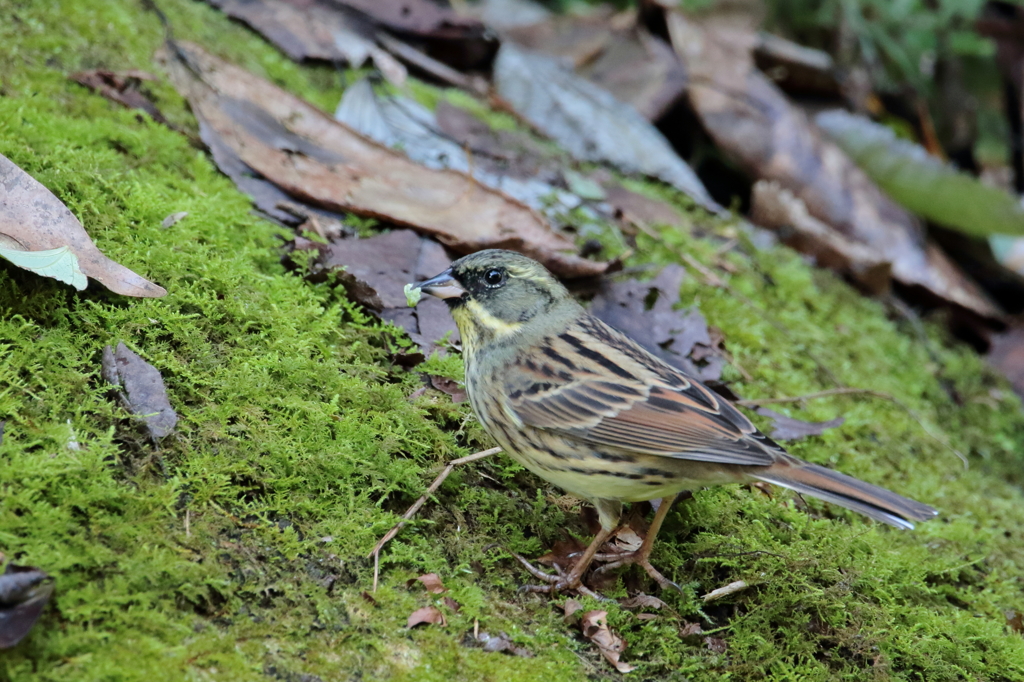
[(322, 162), (778, 209), (374, 271), (24, 592), (502, 643), (595, 628), (32, 219), (788, 428), (121, 87), (673, 335), (143, 389)]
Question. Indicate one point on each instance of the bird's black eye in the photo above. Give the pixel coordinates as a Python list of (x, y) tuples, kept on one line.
[(494, 278)]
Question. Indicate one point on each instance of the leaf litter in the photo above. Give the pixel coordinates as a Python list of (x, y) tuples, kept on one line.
[(594, 625), (646, 312), (24, 593), (39, 233), (751, 120), (322, 162), (428, 615), (375, 272), (143, 391)]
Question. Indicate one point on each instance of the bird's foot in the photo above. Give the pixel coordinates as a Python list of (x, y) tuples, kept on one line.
[(640, 558), (559, 582)]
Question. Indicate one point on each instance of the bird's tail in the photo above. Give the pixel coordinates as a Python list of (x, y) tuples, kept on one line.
[(878, 503)]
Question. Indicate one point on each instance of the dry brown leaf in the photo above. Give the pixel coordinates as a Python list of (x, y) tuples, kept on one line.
[(320, 161), (431, 581), (452, 604), (429, 615), (24, 592), (673, 335), (453, 388), (1006, 354), (752, 121), (374, 272), (776, 208), (788, 428), (121, 87), (563, 554), (143, 389), (33, 219), (570, 608), (595, 628)]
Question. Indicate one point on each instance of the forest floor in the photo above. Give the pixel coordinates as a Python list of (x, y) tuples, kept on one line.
[(236, 549)]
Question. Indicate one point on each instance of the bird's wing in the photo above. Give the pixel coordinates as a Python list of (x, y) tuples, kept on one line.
[(594, 384)]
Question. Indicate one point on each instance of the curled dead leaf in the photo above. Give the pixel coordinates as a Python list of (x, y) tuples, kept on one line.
[(431, 581), (429, 615), (595, 628)]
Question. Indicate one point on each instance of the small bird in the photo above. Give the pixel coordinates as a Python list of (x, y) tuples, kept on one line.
[(583, 406)]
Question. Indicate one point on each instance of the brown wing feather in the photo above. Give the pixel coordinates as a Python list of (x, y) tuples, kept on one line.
[(597, 385)]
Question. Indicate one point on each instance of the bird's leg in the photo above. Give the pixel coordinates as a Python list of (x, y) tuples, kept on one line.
[(608, 512), (642, 555)]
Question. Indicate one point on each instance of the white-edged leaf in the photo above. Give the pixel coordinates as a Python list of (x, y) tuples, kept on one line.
[(60, 264)]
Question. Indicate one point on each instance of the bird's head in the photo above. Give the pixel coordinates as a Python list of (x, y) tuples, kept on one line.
[(496, 293)]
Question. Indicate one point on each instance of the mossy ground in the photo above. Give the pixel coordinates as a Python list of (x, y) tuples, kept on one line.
[(235, 550)]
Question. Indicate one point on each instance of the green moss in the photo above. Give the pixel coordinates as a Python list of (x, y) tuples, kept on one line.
[(235, 550)]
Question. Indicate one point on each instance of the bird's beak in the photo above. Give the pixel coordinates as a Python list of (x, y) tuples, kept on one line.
[(442, 286)]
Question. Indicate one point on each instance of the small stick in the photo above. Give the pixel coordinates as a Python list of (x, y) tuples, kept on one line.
[(411, 511), (861, 391)]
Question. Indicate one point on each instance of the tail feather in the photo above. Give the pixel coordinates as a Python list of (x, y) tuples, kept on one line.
[(872, 501)]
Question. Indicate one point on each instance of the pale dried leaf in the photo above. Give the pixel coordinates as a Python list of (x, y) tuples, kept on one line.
[(595, 628)]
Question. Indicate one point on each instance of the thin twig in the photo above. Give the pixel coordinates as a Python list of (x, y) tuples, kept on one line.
[(411, 511), (861, 391)]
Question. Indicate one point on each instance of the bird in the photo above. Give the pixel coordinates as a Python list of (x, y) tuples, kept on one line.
[(588, 409)]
